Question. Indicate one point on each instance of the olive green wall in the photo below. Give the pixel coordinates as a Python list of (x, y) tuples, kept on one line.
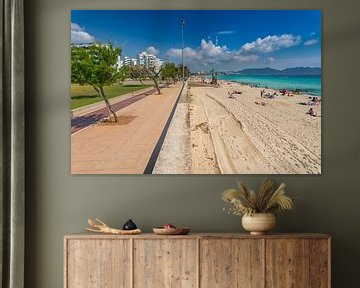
[(58, 203)]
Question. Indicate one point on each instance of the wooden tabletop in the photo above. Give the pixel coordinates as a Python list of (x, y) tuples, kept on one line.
[(87, 235)]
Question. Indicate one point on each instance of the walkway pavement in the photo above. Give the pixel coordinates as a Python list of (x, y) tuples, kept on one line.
[(175, 154), (125, 147), (91, 114)]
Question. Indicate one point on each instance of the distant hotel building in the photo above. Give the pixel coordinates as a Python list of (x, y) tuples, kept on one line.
[(127, 61), (82, 45), (144, 60), (87, 45), (149, 61)]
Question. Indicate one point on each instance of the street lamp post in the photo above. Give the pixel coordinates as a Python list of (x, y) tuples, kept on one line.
[(182, 49)]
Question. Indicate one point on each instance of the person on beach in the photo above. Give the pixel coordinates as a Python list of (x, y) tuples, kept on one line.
[(231, 94), (312, 112), (315, 100)]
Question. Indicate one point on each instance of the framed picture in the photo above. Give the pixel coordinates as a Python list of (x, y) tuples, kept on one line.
[(196, 92)]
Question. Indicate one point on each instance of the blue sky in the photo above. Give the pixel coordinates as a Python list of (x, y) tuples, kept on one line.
[(220, 39)]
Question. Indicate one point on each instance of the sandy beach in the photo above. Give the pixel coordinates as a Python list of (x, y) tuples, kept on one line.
[(248, 134), (216, 129)]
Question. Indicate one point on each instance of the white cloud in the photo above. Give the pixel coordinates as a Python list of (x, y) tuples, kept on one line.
[(79, 35), (174, 52), (188, 52), (191, 53), (271, 43), (152, 50), (225, 32), (206, 52), (209, 53), (245, 58), (76, 27), (310, 42), (210, 50)]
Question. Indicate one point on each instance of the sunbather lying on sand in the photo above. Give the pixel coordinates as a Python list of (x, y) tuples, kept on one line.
[(262, 103), (231, 94), (268, 95), (310, 103)]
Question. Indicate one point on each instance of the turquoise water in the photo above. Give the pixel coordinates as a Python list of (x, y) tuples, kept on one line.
[(307, 84)]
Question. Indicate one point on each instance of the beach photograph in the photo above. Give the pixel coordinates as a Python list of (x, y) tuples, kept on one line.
[(195, 92)]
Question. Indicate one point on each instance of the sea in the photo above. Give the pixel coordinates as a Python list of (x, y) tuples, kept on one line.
[(306, 84)]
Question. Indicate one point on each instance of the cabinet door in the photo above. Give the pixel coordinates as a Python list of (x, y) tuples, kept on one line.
[(166, 263), (98, 263), (287, 263), (231, 263), (320, 263)]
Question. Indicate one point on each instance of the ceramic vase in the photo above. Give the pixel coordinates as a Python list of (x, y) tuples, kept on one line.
[(259, 223)]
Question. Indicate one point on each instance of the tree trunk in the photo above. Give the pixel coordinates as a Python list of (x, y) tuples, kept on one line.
[(112, 114), (156, 85)]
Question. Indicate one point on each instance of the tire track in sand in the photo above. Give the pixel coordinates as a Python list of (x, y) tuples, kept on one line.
[(287, 155), (235, 153)]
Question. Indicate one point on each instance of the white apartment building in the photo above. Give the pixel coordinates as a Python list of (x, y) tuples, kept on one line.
[(82, 45), (130, 62), (148, 60), (157, 64), (119, 62), (144, 59)]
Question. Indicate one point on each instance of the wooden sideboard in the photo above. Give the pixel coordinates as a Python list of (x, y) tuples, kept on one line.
[(197, 260)]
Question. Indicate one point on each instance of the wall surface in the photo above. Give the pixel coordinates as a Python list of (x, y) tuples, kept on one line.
[(58, 203)]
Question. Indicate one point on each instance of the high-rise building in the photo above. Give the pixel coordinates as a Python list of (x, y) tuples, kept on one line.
[(157, 64), (82, 45), (149, 61), (127, 61), (119, 62)]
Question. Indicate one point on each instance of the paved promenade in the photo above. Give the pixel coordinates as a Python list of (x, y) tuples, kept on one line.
[(91, 114), (125, 147), (175, 154)]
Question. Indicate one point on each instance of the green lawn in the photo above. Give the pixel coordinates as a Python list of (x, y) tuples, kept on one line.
[(85, 95)]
